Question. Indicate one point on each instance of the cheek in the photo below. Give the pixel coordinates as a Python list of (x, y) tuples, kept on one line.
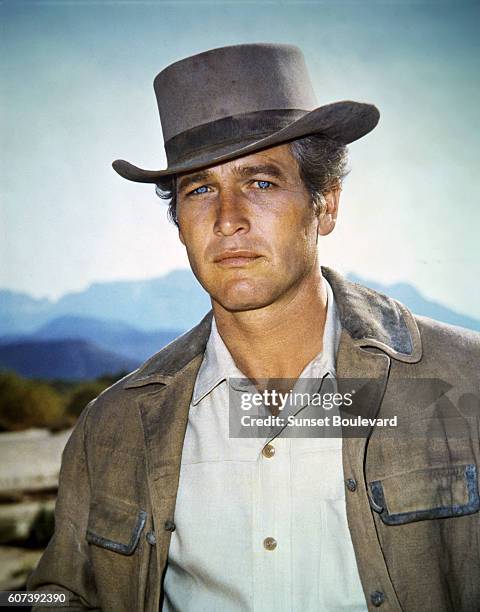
[(195, 248), (295, 234), (192, 231)]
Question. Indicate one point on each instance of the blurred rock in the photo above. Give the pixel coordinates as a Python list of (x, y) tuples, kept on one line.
[(30, 461), (29, 521), (15, 566)]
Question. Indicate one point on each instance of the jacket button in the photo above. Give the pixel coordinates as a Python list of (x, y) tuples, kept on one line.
[(169, 526), (377, 598), (151, 539), (351, 484)]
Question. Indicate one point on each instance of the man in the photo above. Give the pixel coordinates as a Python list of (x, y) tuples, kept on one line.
[(159, 506)]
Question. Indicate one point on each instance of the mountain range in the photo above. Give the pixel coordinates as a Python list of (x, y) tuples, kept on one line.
[(62, 359), (414, 300), (113, 326), (174, 301), (114, 336)]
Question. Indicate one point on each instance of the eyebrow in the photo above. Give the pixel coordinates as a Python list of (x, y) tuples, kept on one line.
[(243, 171), (268, 169), (198, 177)]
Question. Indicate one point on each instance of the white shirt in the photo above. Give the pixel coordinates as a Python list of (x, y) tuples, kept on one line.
[(232, 498)]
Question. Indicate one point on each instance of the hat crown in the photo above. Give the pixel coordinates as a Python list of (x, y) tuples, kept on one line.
[(231, 81)]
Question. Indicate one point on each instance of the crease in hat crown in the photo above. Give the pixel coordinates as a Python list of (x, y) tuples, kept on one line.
[(235, 100)]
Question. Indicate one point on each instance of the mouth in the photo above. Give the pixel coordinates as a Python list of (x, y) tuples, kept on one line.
[(236, 259)]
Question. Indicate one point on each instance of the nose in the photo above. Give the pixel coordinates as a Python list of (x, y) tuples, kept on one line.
[(231, 215)]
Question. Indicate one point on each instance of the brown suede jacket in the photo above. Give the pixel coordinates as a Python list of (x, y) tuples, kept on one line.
[(412, 499)]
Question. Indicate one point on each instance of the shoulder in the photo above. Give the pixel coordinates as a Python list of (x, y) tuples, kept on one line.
[(448, 338), (449, 353), (119, 400)]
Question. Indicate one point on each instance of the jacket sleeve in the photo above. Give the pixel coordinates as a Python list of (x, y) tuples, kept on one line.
[(65, 566)]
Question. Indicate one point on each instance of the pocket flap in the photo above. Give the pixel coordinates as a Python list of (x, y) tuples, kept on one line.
[(115, 525), (426, 494)]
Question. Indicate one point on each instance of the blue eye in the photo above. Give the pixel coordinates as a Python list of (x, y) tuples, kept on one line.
[(264, 184), (200, 190)]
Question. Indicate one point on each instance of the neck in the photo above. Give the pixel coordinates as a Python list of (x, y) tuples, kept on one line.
[(279, 340)]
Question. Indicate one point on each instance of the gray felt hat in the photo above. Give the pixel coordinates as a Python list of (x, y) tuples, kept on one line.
[(232, 101)]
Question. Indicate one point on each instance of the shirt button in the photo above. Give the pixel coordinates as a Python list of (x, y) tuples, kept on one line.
[(151, 539), (270, 543), (377, 598), (268, 451), (351, 484), (169, 526)]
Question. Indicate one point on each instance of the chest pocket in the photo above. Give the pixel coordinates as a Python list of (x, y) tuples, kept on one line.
[(426, 494), (115, 525)]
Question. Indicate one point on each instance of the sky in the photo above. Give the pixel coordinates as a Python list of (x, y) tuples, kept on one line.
[(76, 93)]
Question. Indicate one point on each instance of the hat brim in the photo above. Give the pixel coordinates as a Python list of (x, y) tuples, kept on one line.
[(344, 122)]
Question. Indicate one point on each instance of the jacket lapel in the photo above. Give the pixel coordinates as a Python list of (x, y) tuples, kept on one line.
[(367, 371), (164, 413), (164, 387)]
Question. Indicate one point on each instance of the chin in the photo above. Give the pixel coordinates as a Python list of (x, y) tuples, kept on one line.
[(237, 305), (244, 295)]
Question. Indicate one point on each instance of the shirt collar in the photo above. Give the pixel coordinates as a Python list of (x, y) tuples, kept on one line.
[(218, 364)]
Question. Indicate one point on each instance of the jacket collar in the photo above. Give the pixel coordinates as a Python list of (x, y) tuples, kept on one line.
[(370, 318), (376, 320)]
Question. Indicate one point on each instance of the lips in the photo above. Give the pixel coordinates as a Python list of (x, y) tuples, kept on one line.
[(236, 258)]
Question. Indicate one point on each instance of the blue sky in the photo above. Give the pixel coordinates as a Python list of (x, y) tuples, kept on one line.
[(76, 93)]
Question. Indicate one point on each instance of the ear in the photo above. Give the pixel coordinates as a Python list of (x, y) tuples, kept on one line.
[(328, 216)]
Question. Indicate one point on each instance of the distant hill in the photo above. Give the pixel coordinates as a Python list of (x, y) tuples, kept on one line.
[(411, 297), (62, 359), (171, 302), (114, 336), (20, 313)]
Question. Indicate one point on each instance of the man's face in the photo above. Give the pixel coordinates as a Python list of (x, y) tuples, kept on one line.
[(249, 228)]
